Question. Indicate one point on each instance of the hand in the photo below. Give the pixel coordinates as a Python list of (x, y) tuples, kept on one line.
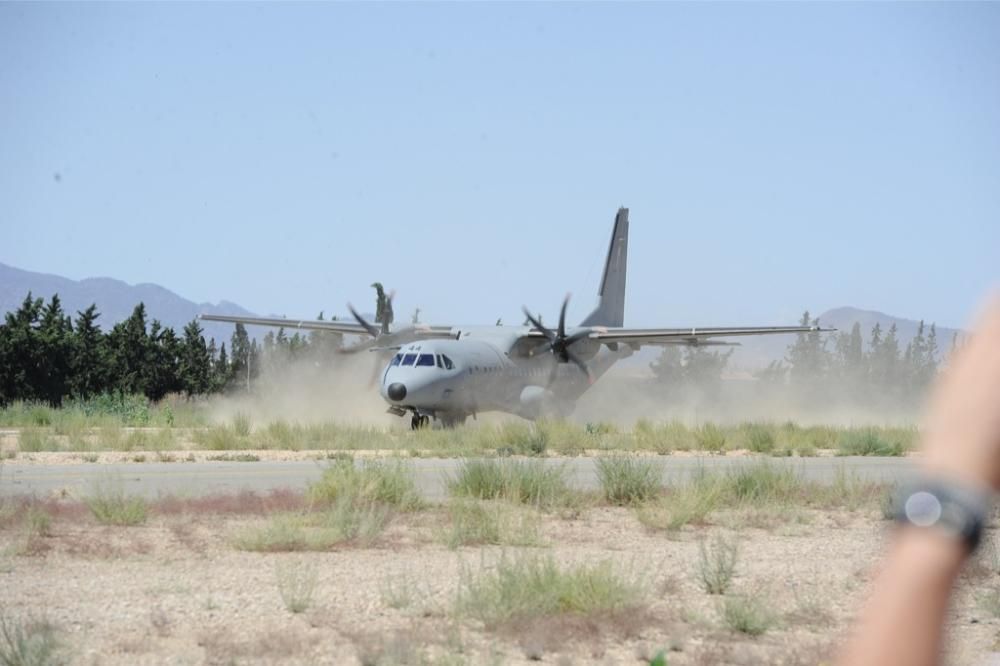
[(962, 432)]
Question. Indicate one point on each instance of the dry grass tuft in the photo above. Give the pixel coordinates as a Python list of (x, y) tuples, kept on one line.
[(521, 588)]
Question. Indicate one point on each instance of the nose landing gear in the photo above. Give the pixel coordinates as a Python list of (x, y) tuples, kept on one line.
[(419, 421)]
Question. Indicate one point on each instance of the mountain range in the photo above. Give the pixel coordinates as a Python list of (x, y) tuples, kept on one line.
[(116, 299)]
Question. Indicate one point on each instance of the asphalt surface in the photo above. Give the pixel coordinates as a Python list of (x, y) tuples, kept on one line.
[(208, 478)]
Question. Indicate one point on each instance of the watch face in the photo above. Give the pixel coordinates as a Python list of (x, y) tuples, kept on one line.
[(922, 509)]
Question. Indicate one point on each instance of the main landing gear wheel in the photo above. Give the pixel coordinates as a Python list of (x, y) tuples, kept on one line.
[(418, 422)]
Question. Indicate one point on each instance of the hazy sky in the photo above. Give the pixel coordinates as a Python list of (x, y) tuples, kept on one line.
[(775, 157)]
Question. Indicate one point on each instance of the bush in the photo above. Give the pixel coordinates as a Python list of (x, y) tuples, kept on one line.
[(28, 643), (710, 437), (628, 479), (763, 482), (386, 482), (867, 442), (760, 438), (33, 440), (748, 615), (531, 587), (717, 564), (111, 506), (526, 482), (524, 439), (345, 521), (477, 522)]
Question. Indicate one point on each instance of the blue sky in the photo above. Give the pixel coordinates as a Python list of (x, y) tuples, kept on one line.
[(775, 157)]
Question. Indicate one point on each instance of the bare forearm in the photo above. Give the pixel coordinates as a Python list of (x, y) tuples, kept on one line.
[(902, 621)]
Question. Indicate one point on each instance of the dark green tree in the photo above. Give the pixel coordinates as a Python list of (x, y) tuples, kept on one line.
[(195, 367), (88, 363), (21, 364)]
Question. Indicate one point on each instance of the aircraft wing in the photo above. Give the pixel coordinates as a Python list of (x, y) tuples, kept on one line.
[(400, 336), (307, 324), (690, 336)]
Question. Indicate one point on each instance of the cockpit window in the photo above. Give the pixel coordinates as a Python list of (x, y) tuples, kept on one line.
[(448, 365), (438, 358), (396, 359), (426, 359), (409, 359)]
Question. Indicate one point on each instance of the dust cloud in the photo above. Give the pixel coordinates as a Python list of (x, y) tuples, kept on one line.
[(340, 390), (336, 389), (625, 395)]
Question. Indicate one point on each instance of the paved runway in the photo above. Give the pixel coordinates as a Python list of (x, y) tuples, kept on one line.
[(207, 478)]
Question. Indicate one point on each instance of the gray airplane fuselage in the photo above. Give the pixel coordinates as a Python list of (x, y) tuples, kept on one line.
[(483, 369)]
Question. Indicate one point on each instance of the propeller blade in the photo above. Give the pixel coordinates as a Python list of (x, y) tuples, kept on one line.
[(576, 337), (537, 324), (580, 364), (372, 331), (562, 318)]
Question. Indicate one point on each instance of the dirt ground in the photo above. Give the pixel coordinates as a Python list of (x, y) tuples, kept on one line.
[(176, 591)]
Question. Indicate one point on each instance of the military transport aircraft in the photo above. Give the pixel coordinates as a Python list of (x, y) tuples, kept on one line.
[(449, 373)]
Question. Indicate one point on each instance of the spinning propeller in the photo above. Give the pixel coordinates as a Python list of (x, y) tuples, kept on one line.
[(559, 343)]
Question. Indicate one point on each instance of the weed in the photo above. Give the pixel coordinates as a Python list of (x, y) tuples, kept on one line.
[(717, 564), (867, 442), (29, 643), (760, 438), (296, 584), (628, 480), (524, 439), (763, 482), (111, 506), (385, 482), (475, 522), (33, 440), (344, 521), (710, 437), (522, 481), (532, 587), (748, 614), (688, 503), (398, 593), (37, 522), (235, 457), (241, 424)]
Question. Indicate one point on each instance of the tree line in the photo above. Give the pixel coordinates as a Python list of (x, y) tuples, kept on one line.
[(822, 367), (46, 356)]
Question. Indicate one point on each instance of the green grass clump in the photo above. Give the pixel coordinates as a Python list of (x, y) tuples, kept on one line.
[(528, 587), (529, 439), (748, 614), (220, 438), (33, 440), (771, 491), (479, 522), (710, 437), (867, 442), (628, 479), (688, 503), (110, 505), (521, 481), (759, 438), (29, 643), (345, 521), (386, 482), (762, 482)]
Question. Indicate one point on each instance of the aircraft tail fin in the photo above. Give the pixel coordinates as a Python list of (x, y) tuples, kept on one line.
[(611, 296)]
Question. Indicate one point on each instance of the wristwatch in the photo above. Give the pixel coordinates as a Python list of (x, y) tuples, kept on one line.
[(957, 510)]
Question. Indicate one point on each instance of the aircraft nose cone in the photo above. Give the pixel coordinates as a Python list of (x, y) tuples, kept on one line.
[(396, 391)]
